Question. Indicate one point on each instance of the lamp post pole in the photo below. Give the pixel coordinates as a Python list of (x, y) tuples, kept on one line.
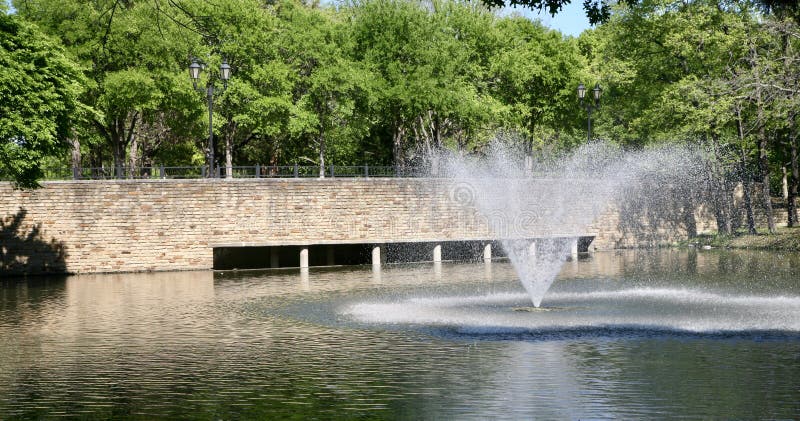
[(589, 123), (210, 92), (596, 93), (224, 73)]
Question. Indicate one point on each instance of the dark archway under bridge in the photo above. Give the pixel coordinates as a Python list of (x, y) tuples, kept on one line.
[(291, 256)]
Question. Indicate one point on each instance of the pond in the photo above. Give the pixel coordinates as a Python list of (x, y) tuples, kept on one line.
[(656, 334)]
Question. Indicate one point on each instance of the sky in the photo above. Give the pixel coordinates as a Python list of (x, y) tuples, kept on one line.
[(571, 20)]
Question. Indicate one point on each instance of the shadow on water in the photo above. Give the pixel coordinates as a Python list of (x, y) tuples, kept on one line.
[(24, 251), (26, 300), (611, 332)]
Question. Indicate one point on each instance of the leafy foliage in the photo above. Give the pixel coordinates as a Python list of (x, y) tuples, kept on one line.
[(383, 82), (39, 87)]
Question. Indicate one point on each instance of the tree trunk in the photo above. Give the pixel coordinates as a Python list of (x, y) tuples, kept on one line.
[(461, 140), (120, 137), (419, 134), (721, 214), (794, 180), (132, 139), (529, 141), (321, 154), (117, 149), (689, 219), (791, 184), (119, 155), (397, 143), (763, 160), (748, 200), (720, 192), (133, 157), (95, 161), (75, 144), (228, 157), (229, 151), (763, 169), (437, 131), (727, 197)]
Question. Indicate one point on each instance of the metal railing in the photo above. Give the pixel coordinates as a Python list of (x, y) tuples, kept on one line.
[(252, 171)]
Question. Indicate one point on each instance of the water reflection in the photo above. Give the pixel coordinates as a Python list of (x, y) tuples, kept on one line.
[(272, 344), (376, 274), (305, 282)]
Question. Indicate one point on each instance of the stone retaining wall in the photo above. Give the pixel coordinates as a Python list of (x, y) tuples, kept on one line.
[(114, 226), (128, 226)]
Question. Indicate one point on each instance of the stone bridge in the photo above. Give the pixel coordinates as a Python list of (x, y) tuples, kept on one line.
[(153, 225)]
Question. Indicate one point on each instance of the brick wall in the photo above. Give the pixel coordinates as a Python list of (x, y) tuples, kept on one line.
[(114, 226), (120, 226)]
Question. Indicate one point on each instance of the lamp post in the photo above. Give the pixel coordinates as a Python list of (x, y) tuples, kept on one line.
[(224, 73), (596, 92)]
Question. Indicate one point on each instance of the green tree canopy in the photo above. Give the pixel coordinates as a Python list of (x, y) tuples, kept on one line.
[(39, 87)]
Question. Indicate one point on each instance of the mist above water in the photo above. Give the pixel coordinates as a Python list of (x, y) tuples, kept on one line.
[(646, 309), (538, 206)]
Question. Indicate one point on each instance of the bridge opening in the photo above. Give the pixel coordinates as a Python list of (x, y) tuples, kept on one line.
[(264, 257), (292, 256), (458, 251), (229, 258), (584, 243)]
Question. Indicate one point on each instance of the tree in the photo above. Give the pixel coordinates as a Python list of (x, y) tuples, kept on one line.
[(788, 80), (536, 72), (690, 71), (463, 110), (432, 65), (331, 92), (40, 88), (391, 39), (131, 53), (254, 109)]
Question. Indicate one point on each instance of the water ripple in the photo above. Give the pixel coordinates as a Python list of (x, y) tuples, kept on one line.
[(271, 345)]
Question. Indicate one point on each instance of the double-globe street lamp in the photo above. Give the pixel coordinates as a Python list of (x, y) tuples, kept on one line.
[(596, 92), (224, 74)]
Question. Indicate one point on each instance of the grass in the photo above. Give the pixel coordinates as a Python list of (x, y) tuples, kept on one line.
[(786, 239)]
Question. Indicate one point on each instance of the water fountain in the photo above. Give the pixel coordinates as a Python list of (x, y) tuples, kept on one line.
[(566, 194), (510, 194)]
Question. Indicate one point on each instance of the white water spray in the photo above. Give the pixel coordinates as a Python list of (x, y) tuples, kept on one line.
[(538, 209)]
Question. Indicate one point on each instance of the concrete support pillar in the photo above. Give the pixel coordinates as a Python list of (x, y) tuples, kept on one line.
[(437, 253), (377, 259), (329, 257), (376, 256), (487, 270), (573, 248), (304, 257), (487, 252), (274, 262)]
